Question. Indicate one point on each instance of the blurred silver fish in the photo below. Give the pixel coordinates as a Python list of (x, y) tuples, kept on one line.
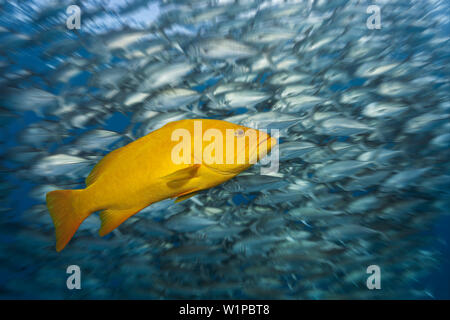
[(184, 223), (221, 49), (172, 99), (59, 165), (363, 121), (251, 183)]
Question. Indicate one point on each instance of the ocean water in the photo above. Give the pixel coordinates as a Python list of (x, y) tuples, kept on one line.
[(360, 95)]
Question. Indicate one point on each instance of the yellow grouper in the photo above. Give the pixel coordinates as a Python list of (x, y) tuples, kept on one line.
[(132, 177)]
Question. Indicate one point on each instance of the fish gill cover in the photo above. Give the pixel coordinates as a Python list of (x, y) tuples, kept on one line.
[(359, 91)]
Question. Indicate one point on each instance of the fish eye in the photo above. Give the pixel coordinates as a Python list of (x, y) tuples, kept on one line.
[(239, 133)]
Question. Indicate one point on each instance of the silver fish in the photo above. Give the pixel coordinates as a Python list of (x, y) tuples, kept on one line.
[(59, 164), (243, 99), (339, 170), (159, 75), (250, 183), (184, 223), (221, 49), (363, 120), (342, 127), (376, 110), (404, 179), (171, 99)]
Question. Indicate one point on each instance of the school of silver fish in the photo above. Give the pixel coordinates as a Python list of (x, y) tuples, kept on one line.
[(363, 116)]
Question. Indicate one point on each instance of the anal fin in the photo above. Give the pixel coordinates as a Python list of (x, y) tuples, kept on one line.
[(112, 218)]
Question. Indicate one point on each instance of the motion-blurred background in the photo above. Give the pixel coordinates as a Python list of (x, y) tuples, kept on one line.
[(361, 97)]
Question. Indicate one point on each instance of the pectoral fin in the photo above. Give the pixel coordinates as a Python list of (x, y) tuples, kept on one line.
[(112, 218), (186, 196), (180, 177)]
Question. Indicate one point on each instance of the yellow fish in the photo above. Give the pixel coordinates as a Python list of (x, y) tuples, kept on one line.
[(156, 167)]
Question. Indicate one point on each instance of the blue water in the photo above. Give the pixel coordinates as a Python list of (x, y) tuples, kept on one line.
[(131, 264)]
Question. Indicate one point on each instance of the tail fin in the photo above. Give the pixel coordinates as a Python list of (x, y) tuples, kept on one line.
[(66, 214)]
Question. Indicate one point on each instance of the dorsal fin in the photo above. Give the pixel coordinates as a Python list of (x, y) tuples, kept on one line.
[(97, 170)]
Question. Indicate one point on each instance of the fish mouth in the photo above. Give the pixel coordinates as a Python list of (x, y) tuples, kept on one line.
[(259, 151), (234, 172), (263, 141), (272, 143)]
